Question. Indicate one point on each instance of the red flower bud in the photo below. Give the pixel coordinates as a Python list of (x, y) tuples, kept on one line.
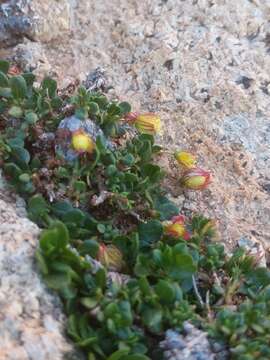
[(176, 227), (110, 257), (196, 179)]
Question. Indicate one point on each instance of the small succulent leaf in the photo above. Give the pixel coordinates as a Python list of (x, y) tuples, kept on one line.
[(50, 86), (18, 87), (3, 80), (150, 232), (4, 66)]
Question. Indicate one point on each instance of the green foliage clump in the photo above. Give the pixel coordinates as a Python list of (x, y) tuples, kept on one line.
[(113, 199)]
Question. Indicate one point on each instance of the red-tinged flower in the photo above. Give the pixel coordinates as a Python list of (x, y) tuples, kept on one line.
[(110, 257), (14, 70), (196, 179), (131, 116), (179, 219), (185, 159), (82, 142), (176, 227), (148, 123)]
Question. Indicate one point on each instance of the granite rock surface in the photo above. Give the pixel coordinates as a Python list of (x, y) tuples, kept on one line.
[(204, 65)]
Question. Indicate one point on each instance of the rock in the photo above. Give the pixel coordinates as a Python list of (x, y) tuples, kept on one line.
[(14, 22), (32, 19), (69, 125), (191, 345), (96, 80), (51, 19), (31, 56), (31, 319), (203, 65), (254, 248)]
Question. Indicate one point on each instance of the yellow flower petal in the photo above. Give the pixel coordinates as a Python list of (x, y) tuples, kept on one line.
[(82, 142), (148, 124), (185, 159)]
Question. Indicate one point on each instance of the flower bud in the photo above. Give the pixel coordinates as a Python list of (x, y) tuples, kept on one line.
[(131, 117), (176, 227), (196, 179), (82, 142), (185, 159), (148, 123), (110, 257)]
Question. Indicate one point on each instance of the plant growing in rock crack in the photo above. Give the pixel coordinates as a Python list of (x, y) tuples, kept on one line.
[(127, 266)]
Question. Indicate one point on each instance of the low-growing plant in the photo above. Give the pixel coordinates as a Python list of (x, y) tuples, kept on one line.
[(126, 265)]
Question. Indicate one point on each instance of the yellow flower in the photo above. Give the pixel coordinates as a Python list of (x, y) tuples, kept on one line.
[(185, 159), (176, 227), (148, 123), (196, 179), (82, 142), (176, 230)]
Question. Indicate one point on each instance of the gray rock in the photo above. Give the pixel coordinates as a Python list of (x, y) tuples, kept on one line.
[(193, 344), (96, 80), (33, 19), (14, 23), (31, 319), (72, 124)]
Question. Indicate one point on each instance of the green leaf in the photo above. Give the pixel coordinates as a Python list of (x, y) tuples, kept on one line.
[(15, 111), (166, 208), (165, 291), (144, 286), (128, 159), (75, 216), (50, 86), (93, 108), (12, 170), (113, 110), (118, 355), (125, 107), (153, 172), (135, 357), (24, 178), (5, 92), (4, 66), (150, 232), (183, 267), (101, 228), (89, 302), (41, 263), (21, 156), (57, 281), (152, 318), (87, 342), (29, 78), (3, 80), (81, 113), (61, 207), (101, 278), (18, 87), (31, 118), (89, 247), (56, 102), (55, 238), (259, 277), (37, 206), (80, 186)]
